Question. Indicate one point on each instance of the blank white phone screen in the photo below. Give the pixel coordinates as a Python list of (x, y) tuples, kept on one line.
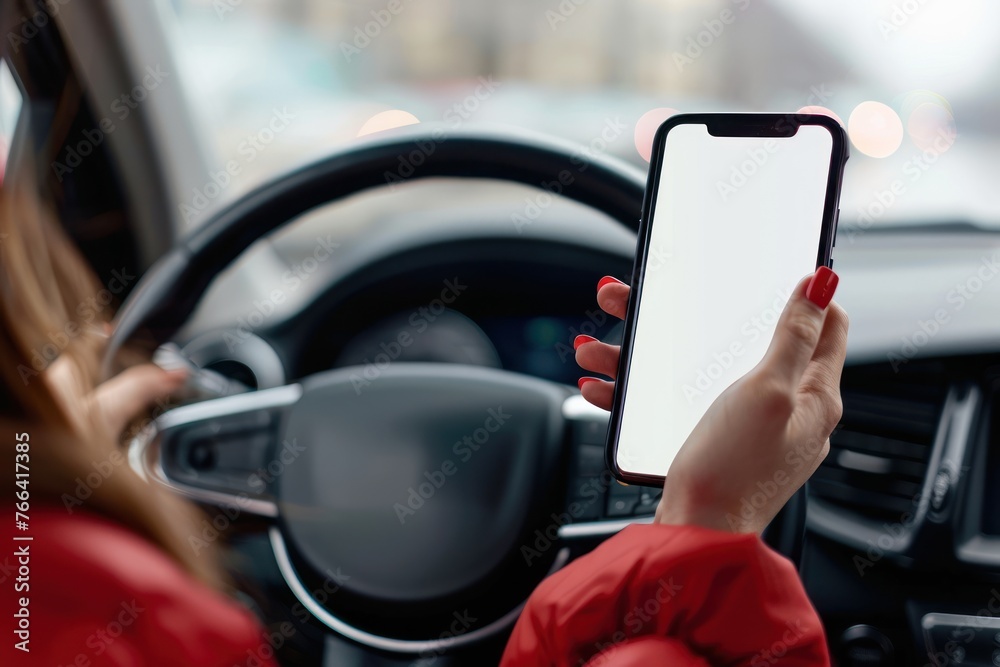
[(737, 223)]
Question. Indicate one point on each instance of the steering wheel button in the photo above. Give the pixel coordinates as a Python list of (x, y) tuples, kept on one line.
[(621, 506), (622, 500), (648, 500)]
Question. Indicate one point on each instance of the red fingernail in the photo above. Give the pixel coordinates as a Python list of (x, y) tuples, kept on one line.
[(581, 339), (607, 280), (822, 286), (584, 380)]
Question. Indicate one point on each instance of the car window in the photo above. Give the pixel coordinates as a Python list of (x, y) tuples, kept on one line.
[(277, 84)]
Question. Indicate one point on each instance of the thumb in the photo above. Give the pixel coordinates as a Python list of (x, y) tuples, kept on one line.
[(799, 328)]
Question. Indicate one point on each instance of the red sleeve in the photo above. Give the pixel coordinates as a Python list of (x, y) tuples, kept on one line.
[(678, 595), (101, 596)]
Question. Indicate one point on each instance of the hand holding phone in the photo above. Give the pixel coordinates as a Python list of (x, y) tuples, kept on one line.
[(738, 207), (767, 433)]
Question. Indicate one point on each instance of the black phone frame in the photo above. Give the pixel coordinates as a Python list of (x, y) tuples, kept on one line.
[(781, 125)]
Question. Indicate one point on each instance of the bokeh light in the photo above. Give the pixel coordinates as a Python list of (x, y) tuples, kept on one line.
[(875, 129), (387, 120), (813, 108), (931, 128), (645, 129), (930, 122)]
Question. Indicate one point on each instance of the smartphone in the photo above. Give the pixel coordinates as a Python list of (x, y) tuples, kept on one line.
[(738, 208)]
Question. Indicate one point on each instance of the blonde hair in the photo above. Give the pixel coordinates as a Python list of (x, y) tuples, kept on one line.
[(43, 282)]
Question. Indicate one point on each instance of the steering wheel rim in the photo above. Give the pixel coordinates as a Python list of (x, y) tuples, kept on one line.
[(181, 277), (169, 292)]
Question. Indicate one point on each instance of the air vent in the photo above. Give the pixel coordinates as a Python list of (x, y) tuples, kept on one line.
[(879, 455)]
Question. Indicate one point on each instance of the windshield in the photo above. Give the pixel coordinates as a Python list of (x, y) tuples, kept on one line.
[(276, 84)]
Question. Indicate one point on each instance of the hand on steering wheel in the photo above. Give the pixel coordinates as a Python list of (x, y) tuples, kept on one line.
[(116, 401), (767, 433)]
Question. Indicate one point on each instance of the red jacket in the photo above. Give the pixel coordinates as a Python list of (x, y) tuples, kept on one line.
[(671, 595), (99, 595)]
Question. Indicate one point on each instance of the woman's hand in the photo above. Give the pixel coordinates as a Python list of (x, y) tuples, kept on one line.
[(115, 402), (767, 433), (120, 399)]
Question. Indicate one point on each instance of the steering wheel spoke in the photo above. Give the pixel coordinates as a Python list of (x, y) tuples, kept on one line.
[(597, 505), (224, 452)]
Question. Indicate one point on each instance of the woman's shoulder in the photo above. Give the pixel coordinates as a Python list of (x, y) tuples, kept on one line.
[(70, 544), (98, 590)]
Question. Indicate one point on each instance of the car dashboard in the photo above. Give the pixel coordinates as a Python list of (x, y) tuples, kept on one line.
[(902, 557)]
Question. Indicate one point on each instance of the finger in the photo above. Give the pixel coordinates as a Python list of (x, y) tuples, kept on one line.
[(61, 376), (130, 392), (612, 297), (820, 387), (599, 357), (598, 392), (798, 331)]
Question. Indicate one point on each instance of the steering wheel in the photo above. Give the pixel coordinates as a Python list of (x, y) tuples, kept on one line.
[(431, 494)]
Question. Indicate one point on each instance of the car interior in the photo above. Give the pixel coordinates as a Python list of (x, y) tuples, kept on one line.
[(378, 227)]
